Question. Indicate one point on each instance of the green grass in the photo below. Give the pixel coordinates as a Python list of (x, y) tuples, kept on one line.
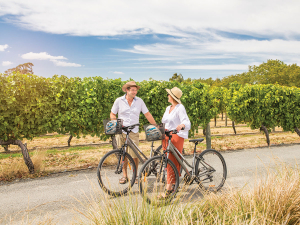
[(53, 151), (5, 156), (50, 136), (216, 137)]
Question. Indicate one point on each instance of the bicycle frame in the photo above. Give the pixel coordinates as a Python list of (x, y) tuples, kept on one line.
[(176, 153), (136, 149), (171, 148)]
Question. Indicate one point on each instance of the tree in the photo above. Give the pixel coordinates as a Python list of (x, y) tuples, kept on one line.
[(177, 77), (22, 68)]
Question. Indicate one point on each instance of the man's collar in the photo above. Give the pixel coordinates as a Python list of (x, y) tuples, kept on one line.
[(124, 97)]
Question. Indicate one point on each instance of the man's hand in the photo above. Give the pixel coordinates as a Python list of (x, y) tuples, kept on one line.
[(113, 116)]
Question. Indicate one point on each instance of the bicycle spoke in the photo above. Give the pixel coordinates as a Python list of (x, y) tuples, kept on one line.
[(211, 170), (110, 173), (153, 186)]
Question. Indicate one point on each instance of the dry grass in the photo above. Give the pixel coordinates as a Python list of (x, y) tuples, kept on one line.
[(28, 220), (55, 140), (14, 167), (273, 200)]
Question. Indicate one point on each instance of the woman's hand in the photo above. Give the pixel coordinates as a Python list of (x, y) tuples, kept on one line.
[(179, 127)]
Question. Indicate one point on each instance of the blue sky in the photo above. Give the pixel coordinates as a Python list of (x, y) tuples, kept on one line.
[(147, 39)]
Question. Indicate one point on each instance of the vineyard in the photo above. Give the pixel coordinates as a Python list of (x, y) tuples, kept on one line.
[(32, 106)]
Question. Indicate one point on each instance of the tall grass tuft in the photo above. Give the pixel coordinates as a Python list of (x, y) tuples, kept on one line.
[(272, 200), (13, 168)]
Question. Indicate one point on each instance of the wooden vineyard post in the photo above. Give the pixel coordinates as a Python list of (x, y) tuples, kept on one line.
[(208, 137)]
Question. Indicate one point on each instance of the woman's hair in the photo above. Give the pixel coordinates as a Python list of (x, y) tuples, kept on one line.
[(173, 99)]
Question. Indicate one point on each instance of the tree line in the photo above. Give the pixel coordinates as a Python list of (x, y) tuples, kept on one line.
[(271, 72)]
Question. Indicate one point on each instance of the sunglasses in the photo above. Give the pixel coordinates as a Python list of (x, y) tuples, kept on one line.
[(168, 94)]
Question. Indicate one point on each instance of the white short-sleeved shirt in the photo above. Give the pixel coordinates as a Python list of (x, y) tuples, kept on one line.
[(129, 114), (176, 117)]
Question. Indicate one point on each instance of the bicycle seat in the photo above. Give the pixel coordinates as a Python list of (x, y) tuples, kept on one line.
[(199, 140)]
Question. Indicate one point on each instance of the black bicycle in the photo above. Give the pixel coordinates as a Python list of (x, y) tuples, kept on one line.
[(208, 171), (111, 166)]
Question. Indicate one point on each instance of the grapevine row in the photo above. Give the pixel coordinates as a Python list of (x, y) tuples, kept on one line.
[(31, 106)]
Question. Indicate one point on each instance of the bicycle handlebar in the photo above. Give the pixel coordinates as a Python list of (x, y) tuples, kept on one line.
[(168, 132), (130, 127)]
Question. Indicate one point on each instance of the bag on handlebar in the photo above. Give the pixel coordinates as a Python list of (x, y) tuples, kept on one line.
[(154, 133), (113, 126)]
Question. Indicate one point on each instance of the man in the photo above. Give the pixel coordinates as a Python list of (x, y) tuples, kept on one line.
[(128, 108)]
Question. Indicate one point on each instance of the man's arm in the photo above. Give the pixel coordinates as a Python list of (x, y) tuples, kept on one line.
[(113, 116), (150, 118)]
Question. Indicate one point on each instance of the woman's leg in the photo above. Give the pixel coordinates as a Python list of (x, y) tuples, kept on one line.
[(178, 143)]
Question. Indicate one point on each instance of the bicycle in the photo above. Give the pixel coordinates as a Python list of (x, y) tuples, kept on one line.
[(112, 164), (208, 171)]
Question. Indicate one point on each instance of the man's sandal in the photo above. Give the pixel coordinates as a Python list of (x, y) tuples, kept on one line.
[(123, 180)]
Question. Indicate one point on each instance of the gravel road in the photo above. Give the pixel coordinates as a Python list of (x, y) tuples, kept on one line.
[(31, 200)]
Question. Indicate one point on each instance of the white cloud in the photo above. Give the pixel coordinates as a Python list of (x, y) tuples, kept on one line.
[(6, 63), (41, 56), (196, 30), (3, 47), (116, 72), (46, 56), (219, 48), (176, 18), (65, 64), (206, 67)]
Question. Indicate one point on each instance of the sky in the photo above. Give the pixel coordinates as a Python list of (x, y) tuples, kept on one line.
[(147, 39)]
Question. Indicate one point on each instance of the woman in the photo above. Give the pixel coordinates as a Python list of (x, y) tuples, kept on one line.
[(175, 117)]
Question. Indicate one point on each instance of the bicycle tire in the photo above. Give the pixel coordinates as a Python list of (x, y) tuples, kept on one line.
[(154, 185), (108, 169), (212, 177)]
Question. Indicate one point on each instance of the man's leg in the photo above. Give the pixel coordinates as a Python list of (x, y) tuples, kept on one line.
[(135, 139)]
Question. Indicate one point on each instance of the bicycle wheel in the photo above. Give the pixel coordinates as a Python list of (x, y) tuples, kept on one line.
[(154, 185), (110, 170), (211, 170)]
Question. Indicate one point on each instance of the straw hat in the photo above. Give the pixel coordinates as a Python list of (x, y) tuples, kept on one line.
[(176, 94), (130, 84)]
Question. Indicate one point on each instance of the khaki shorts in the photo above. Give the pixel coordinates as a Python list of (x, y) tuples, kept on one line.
[(120, 138)]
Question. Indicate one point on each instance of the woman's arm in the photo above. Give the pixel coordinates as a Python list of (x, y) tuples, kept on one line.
[(184, 119)]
